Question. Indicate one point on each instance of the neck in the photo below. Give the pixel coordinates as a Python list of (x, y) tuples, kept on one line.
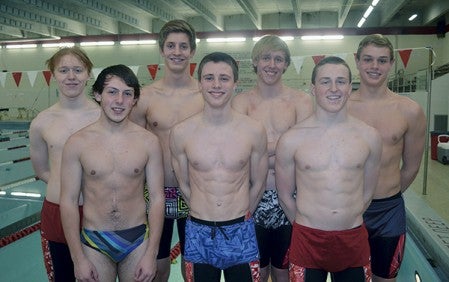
[(329, 118), (268, 91), (218, 116), (177, 80), (74, 103)]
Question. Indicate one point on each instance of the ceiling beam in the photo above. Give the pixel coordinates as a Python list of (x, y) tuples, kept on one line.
[(156, 8), (24, 25), (343, 12), (250, 9), (118, 11), (11, 31), (27, 13), (205, 11), (434, 11), (296, 4), (389, 8)]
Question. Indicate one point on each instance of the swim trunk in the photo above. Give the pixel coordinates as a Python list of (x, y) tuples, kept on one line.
[(221, 244), (273, 231), (386, 224), (167, 234), (175, 206), (269, 213), (117, 245), (57, 260), (51, 224), (332, 251)]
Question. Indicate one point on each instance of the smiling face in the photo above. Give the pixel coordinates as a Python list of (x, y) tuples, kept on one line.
[(71, 75), (217, 83), (116, 99), (177, 52), (374, 65), (332, 87), (270, 66)]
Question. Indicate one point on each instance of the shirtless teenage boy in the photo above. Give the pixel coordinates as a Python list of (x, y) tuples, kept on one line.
[(108, 163), (278, 107), (402, 125), (331, 160), (71, 68), (220, 159), (163, 104)]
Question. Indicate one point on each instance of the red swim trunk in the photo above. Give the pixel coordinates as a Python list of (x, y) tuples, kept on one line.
[(331, 251), (51, 224)]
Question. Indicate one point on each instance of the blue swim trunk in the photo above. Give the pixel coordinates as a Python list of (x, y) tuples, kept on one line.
[(115, 244), (221, 244)]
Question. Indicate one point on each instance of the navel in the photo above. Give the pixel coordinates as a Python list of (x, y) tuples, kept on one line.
[(155, 123), (93, 172)]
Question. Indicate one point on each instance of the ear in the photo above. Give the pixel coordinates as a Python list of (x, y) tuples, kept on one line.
[(97, 97), (312, 89)]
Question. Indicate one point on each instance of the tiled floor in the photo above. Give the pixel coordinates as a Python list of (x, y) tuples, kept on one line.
[(437, 194)]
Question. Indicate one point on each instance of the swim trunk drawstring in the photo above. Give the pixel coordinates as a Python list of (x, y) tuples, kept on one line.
[(214, 232)]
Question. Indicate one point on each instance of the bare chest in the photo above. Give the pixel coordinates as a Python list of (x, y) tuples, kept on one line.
[(277, 115), (216, 153), (113, 161), (165, 112), (388, 121), (332, 154)]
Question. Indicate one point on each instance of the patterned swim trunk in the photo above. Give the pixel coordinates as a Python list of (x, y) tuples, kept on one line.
[(175, 206), (269, 213)]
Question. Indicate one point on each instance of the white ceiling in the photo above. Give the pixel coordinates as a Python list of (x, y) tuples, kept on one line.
[(36, 19)]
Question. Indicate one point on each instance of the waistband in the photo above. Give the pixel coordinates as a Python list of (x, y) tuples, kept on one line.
[(218, 223), (395, 196)]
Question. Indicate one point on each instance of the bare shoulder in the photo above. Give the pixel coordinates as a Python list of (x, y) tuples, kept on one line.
[(45, 117), (249, 124), (363, 128), (296, 93), (407, 105), (241, 100), (149, 90), (187, 126)]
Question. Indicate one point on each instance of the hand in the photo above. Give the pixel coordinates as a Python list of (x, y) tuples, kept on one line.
[(85, 271), (146, 269)]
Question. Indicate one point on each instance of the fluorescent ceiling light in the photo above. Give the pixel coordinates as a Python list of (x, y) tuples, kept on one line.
[(285, 38), (229, 39), (137, 42), (20, 46), (368, 12), (97, 43), (2, 193), (412, 17), (322, 37), (375, 3), (52, 45), (361, 22)]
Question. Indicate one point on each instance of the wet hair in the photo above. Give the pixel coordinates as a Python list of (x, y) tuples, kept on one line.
[(175, 26), (333, 60), (121, 71), (218, 57), (377, 40), (75, 51), (270, 43)]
